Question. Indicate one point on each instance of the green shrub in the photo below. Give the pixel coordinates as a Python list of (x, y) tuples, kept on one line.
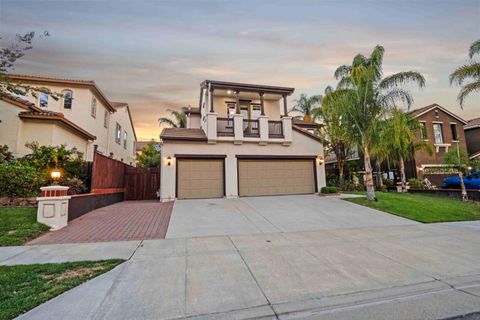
[(76, 185), (332, 189), (324, 190), (20, 180), (417, 184)]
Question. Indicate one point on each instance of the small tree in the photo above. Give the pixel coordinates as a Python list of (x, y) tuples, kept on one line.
[(179, 119), (459, 158), (8, 56), (150, 156)]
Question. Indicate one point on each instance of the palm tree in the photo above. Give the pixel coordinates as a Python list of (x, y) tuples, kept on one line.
[(307, 105), (368, 96), (180, 120), (398, 133), (334, 130), (470, 71)]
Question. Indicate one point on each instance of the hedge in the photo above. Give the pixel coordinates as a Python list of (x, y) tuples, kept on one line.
[(20, 180)]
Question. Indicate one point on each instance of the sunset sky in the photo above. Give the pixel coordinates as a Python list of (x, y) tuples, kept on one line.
[(154, 54)]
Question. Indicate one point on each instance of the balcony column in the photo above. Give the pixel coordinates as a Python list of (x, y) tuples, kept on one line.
[(237, 102), (285, 111), (212, 127), (287, 130), (211, 99), (262, 104), (238, 128)]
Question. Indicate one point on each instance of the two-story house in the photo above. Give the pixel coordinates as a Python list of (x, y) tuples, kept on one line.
[(240, 141), (442, 130), (81, 118), (472, 135)]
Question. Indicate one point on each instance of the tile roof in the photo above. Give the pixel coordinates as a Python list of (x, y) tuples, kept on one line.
[(18, 101), (88, 83), (183, 134), (58, 117), (473, 123), (305, 124), (418, 112)]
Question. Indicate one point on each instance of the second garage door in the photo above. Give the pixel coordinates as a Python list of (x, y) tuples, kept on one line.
[(200, 178), (275, 177)]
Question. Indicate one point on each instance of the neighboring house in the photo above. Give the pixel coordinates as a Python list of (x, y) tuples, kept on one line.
[(472, 135), (240, 142), (82, 118), (142, 144), (441, 129)]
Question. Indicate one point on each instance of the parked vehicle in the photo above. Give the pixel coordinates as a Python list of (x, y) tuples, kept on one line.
[(472, 181)]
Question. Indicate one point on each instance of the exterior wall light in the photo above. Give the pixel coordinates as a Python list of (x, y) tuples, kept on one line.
[(55, 174), (320, 160), (169, 161)]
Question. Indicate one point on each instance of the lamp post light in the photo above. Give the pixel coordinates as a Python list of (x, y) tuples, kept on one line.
[(55, 175)]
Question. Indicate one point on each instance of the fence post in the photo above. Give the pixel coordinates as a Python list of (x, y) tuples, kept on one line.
[(53, 207)]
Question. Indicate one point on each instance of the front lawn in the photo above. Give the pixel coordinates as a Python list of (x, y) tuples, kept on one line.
[(422, 208), (18, 225), (24, 287)]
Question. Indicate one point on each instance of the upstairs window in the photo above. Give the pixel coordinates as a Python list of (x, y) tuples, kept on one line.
[(67, 99), (423, 131), (124, 139), (43, 100), (105, 119), (118, 133), (453, 127), (256, 111), (437, 131), (93, 111)]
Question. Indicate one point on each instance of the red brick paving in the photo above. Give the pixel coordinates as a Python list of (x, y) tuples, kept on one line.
[(128, 220)]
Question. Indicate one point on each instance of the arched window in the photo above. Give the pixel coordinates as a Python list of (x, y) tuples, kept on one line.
[(67, 99), (43, 99)]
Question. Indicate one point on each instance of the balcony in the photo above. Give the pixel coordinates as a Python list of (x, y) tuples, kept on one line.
[(251, 128), (275, 129), (225, 127), (237, 129)]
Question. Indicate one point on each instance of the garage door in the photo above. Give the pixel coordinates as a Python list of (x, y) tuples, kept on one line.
[(275, 177), (199, 178)]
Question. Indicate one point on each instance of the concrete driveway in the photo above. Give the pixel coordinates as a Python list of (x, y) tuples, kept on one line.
[(253, 215)]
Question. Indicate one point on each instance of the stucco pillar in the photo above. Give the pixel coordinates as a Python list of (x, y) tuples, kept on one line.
[(53, 207), (238, 128), (287, 130), (212, 127), (263, 124)]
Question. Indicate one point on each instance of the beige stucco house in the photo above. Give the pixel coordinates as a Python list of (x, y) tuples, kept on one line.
[(81, 118), (240, 142)]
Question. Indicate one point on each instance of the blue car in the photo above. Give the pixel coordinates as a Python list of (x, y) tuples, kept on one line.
[(472, 181)]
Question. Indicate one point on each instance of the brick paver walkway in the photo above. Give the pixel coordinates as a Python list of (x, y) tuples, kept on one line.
[(128, 220)]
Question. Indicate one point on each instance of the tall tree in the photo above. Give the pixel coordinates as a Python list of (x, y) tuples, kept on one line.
[(149, 156), (369, 96), (334, 130), (306, 106), (397, 138), (468, 73), (179, 119)]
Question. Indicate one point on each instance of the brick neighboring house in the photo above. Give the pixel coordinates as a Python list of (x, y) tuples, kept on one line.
[(443, 130), (472, 135)]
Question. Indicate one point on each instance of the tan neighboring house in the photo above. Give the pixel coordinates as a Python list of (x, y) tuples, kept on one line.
[(240, 142), (82, 118)]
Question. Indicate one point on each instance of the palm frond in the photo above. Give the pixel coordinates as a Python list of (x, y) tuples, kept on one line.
[(392, 97), (474, 48), (342, 72), (464, 72), (168, 122), (467, 90), (402, 78), (359, 60)]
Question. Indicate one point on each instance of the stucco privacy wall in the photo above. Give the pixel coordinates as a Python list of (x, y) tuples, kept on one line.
[(301, 145)]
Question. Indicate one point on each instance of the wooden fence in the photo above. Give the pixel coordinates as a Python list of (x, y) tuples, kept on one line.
[(107, 174), (141, 183)]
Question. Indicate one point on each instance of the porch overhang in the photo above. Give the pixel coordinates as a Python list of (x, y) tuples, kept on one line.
[(246, 87)]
